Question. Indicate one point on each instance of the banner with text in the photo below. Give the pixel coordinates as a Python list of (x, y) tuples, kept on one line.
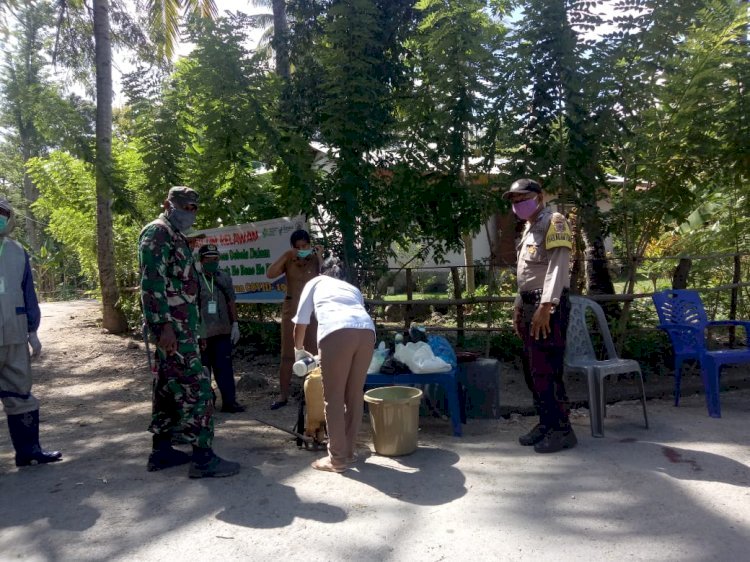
[(248, 250)]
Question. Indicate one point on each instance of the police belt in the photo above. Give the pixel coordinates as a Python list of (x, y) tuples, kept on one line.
[(535, 296)]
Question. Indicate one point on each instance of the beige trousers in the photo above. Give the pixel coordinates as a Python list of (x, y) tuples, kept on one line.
[(344, 358)]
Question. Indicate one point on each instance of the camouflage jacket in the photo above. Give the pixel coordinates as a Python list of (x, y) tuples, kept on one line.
[(169, 280)]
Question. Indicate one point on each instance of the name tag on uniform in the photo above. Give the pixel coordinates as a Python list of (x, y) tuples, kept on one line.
[(2, 285), (212, 307)]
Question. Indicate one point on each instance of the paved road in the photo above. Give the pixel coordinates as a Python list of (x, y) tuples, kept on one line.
[(679, 491)]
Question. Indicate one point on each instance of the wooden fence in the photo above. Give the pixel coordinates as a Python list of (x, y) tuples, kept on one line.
[(678, 281)]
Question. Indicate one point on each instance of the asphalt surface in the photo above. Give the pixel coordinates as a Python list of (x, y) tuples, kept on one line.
[(678, 491)]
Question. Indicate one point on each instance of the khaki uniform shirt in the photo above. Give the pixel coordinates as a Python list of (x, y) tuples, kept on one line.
[(544, 256)]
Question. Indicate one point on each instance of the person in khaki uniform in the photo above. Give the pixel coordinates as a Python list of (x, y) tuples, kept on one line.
[(300, 264), (19, 321), (541, 313)]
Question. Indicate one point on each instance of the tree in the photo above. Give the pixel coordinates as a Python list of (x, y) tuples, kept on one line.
[(559, 127), (34, 111), (209, 125), (165, 17), (453, 64)]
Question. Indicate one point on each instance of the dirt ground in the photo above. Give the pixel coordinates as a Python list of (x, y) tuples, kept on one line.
[(101, 504)]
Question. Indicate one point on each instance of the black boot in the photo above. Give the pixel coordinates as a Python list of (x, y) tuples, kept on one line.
[(163, 455), (557, 440), (206, 464), (24, 433), (534, 436)]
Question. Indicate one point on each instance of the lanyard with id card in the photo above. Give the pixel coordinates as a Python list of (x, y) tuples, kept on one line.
[(2, 279), (212, 304)]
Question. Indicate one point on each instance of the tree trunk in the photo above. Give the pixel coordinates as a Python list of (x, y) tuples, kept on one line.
[(281, 38), (599, 280), (468, 241), (112, 318), (505, 250), (30, 194), (681, 272)]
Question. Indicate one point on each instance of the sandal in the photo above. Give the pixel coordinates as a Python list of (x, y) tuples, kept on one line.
[(325, 465)]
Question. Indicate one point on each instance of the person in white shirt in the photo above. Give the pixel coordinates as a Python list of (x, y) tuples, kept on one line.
[(346, 341)]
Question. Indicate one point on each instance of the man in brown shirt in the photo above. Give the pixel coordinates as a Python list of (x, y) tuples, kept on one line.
[(300, 264), (541, 313)]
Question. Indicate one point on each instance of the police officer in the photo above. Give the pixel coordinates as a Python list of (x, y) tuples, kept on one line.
[(541, 313), (220, 327), (182, 405), (19, 321)]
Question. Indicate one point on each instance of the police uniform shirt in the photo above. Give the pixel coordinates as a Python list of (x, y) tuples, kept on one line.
[(544, 256), (216, 323)]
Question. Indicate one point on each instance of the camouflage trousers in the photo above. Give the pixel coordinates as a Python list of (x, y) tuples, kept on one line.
[(182, 398), (543, 361)]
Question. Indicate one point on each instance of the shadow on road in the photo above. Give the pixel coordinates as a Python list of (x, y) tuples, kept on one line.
[(426, 477)]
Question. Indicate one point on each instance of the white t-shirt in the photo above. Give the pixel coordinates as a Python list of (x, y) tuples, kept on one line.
[(337, 305)]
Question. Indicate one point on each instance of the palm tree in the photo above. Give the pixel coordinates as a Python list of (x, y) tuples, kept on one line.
[(113, 319)]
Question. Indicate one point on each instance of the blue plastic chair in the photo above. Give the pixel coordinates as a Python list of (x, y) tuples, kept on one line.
[(683, 317), (580, 357)]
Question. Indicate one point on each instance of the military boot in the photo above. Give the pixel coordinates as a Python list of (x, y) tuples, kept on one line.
[(534, 436), (163, 455), (207, 464), (24, 433), (557, 440)]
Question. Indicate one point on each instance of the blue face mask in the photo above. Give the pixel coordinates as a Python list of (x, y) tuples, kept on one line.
[(3, 222), (182, 220), (303, 253)]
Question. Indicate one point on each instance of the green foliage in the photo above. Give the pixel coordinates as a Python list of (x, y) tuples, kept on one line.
[(651, 348), (67, 203), (506, 345), (264, 336), (207, 126), (684, 135)]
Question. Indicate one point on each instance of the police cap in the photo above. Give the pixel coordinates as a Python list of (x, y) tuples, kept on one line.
[(208, 251), (523, 186)]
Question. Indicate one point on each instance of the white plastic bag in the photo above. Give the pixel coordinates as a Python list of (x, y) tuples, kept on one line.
[(420, 358)]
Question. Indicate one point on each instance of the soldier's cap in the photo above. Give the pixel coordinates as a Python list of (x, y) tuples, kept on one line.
[(208, 251), (183, 195), (523, 186)]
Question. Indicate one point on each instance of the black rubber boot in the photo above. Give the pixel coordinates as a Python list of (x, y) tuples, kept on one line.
[(207, 464), (534, 436), (557, 440), (164, 456), (24, 433)]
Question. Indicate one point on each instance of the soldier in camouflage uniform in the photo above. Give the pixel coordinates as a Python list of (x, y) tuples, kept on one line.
[(541, 313), (182, 397)]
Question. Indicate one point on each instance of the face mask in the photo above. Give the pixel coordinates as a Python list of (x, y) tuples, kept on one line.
[(3, 223), (211, 266), (524, 209), (182, 220), (303, 253)]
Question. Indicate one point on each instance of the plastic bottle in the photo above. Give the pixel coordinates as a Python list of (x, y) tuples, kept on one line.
[(304, 366)]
